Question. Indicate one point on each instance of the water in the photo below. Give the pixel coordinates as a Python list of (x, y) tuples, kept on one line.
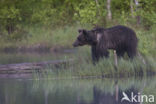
[(69, 91), (74, 91), (12, 58)]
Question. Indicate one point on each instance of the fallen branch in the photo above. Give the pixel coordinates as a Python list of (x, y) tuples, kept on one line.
[(27, 67)]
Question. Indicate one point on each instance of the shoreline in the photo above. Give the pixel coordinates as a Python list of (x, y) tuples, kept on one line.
[(31, 75), (38, 48)]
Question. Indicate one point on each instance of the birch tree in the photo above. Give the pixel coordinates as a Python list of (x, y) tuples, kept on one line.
[(109, 13)]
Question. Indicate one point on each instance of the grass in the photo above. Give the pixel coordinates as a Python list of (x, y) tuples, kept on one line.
[(43, 37), (82, 67), (65, 36)]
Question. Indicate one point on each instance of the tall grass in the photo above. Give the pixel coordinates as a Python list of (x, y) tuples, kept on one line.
[(82, 67), (64, 37)]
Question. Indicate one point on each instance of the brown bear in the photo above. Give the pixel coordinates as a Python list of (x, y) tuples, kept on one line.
[(119, 38)]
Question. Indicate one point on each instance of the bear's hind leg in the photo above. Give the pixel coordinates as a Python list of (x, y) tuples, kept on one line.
[(131, 53), (105, 54)]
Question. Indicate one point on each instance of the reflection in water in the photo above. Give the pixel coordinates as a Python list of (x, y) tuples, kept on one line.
[(12, 58), (100, 97), (97, 91)]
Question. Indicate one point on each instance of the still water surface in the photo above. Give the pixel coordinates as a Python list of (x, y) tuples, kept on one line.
[(75, 91), (13, 58)]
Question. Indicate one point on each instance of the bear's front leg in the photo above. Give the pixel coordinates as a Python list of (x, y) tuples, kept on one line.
[(98, 53), (95, 56)]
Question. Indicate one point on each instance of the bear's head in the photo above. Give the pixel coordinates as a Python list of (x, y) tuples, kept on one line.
[(85, 38)]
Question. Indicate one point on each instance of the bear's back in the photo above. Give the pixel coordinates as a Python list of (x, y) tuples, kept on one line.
[(120, 30)]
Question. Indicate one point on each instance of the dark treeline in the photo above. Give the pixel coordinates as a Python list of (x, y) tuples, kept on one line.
[(14, 14)]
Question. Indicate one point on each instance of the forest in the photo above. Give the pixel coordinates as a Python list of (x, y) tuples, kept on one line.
[(18, 18)]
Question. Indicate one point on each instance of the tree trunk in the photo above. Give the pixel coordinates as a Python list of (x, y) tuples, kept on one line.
[(97, 6), (10, 29), (137, 17), (97, 3), (109, 13), (132, 8)]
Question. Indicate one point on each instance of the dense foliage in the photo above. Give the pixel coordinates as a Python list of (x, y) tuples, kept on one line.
[(14, 13)]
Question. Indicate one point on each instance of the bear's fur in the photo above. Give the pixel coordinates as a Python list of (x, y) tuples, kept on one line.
[(119, 38)]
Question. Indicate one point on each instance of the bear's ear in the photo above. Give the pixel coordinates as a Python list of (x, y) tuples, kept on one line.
[(82, 31)]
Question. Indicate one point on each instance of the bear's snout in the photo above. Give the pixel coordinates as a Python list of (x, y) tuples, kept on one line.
[(75, 44)]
